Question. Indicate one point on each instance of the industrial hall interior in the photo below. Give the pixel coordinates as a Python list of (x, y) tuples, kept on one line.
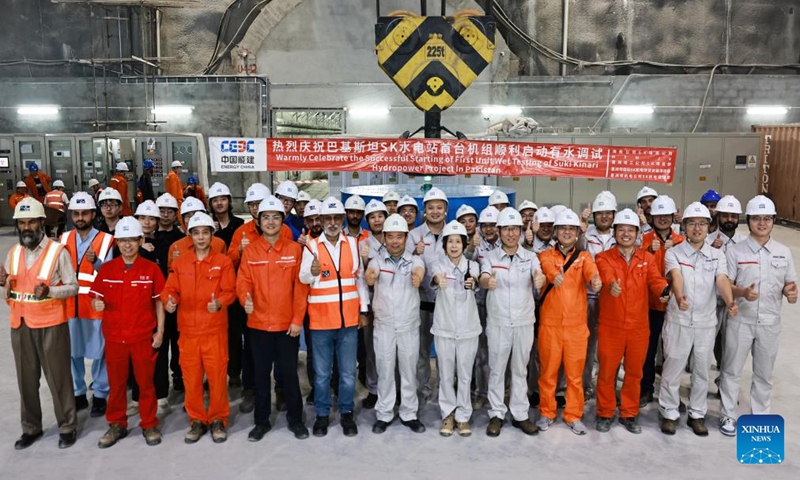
[(399, 238)]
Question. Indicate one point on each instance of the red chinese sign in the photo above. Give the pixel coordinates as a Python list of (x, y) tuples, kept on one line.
[(461, 157)]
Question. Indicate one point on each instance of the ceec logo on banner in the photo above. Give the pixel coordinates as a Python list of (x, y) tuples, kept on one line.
[(237, 146), (760, 440)]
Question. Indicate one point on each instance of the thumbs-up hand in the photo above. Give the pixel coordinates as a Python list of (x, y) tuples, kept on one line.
[(248, 304), (539, 279), (91, 256), (41, 290), (175, 254), (683, 303), (717, 243), (790, 292), (171, 306), (416, 277), (492, 281), (420, 247), (245, 242), (441, 280), (750, 293), (476, 241), (315, 268), (642, 216), (656, 245), (733, 309), (597, 284), (98, 305), (616, 288), (529, 233), (364, 250), (303, 238), (535, 226), (678, 216), (371, 276), (214, 306), (669, 243), (586, 213), (559, 278)]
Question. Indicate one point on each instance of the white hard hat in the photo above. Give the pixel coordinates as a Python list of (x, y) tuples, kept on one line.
[(465, 210), (93, 182), (407, 201), (729, 204), (434, 194), (663, 205), (287, 188), (454, 228), (166, 200), (201, 219), (58, 184), (29, 207), (696, 210), (82, 201), (122, 167), (527, 205), (22, 184), (332, 206), (489, 215), (626, 217), (646, 192), (497, 197), (544, 215), (375, 206), (256, 193), (605, 201), (354, 202), (271, 204), (147, 208), (313, 207), (395, 223), (303, 196), (509, 218), (191, 204), (128, 227), (218, 189), (760, 205), (567, 218), (109, 194), (176, 163), (391, 196), (556, 209)]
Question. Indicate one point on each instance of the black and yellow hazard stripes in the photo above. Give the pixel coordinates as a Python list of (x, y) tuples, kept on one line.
[(434, 59)]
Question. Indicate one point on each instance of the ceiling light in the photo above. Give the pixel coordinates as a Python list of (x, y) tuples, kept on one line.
[(368, 112), (173, 110), (634, 109), (767, 110), (38, 110), (497, 110)]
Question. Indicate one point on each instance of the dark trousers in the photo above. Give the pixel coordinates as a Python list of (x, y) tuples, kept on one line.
[(160, 374), (171, 336), (279, 349), (47, 350), (649, 371), (240, 356)]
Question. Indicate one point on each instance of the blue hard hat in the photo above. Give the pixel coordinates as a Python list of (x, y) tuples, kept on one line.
[(33, 167), (192, 179), (148, 164), (710, 196)]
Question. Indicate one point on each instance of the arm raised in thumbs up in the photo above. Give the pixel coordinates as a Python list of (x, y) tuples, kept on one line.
[(98, 304), (683, 303), (559, 278), (363, 248), (245, 242), (303, 238), (750, 293), (91, 256), (214, 306), (248, 304), (315, 268), (790, 292), (175, 254), (717, 243), (616, 288), (171, 306), (419, 249), (529, 233), (597, 284), (539, 279), (371, 276), (416, 276)]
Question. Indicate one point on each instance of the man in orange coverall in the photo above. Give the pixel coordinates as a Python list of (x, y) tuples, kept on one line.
[(201, 286), (628, 275), (269, 287), (563, 331), (189, 208), (172, 184)]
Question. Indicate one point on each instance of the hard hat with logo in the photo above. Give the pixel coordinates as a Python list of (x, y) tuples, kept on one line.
[(122, 167), (527, 205), (29, 207), (391, 196), (509, 218), (567, 218), (22, 184), (407, 201), (497, 197), (729, 204), (375, 206), (626, 217), (256, 193), (663, 205), (696, 210), (760, 205), (332, 206), (33, 167), (82, 201), (218, 189), (166, 200), (93, 182), (434, 194), (192, 180), (287, 188), (147, 208), (271, 204), (354, 202), (128, 227), (454, 228), (58, 184), (313, 207), (148, 164), (465, 210), (545, 215), (109, 194), (176, 163), (303, 196), (395, 223), (646, 192), (190, 205), (710, 196), (605, 201), (201, 219), (489, 215)]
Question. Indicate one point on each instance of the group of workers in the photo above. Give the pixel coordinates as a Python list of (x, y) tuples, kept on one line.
[(519, 305)]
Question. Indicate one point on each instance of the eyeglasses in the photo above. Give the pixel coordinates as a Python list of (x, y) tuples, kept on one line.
[(110, 205), (696, 224), (762, 219), (273, 218)]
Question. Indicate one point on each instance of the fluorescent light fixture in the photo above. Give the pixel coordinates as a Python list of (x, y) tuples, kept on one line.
[(634, 109), (173, 110), (767, 110), (38, 110), (497, 110), (368, 112)]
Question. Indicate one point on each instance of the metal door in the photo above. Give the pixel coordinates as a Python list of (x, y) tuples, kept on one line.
[(30, 150), (155, 149), (551, 191), (8, 178), (585, 189), (183, 149), (703, 159), (740, 166), (62, 161), (93, 159)]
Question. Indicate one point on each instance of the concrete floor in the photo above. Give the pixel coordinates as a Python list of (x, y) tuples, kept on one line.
[(399, 453)]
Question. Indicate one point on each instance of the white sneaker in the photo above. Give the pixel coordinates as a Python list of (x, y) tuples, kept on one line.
[(578, 428), (133, 409), (163, 407), (544, 423), (727, 426)]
